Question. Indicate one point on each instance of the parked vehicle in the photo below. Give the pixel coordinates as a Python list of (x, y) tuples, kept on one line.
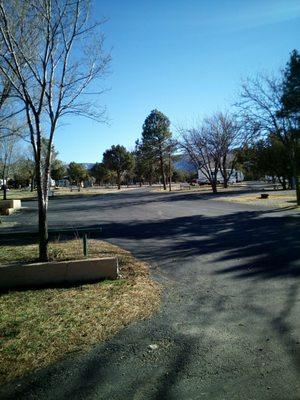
[(235, 176)]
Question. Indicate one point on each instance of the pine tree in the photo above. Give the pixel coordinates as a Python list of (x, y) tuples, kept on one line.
[(155, 136), (291, 109)]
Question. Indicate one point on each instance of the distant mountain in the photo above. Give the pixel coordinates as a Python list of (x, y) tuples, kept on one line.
[(185, 165), (87, 166)]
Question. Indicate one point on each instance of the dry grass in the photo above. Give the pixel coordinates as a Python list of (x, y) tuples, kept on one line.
[(276, 199), (176, 189), (27, 194), (39, 327), (6, 224)]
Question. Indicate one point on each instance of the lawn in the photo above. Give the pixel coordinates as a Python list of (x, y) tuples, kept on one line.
[(39, 327)]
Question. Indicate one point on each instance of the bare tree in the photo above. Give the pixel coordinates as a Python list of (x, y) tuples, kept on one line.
[(50, 53), (227, 134), (8, 156), (260, 104), (211, 146), (203, 152)]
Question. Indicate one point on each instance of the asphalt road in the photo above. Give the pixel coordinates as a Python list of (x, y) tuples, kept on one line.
[(229, 325)]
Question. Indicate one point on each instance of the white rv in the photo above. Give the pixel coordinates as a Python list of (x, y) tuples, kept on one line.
[(236, 176)]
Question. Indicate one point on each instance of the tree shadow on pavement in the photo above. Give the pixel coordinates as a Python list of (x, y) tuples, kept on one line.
[(266, 246)]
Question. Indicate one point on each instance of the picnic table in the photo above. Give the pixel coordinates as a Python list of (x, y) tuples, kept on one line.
[(185, 185), (75, 188)]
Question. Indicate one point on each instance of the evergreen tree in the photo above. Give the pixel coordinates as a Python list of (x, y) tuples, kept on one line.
[(291, 109), (291, 86), (155, 136), (145, 166), (118, 159), (58, 170), (100, 173), (77, 173)]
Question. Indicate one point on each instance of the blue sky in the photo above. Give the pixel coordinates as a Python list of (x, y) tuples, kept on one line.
[(183, 57)]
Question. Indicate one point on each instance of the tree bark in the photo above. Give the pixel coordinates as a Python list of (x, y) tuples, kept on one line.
[(297, 183), (296, 180), (225, 184), (43, 220), (162, 170), (214, 187), (4, 191), (119, 180), (225, 175), (170, 173), (4, 187), (43, 230), (42, 183)]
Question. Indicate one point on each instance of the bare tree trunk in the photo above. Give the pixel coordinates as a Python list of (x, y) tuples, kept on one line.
[(170, 173), (297, 183), (119, 180), (4, 191), (225, 177), (293, 183), (214, 186), (296, 177), (214, 175), (224, 172), (4, 187), (162, 170), (43, 230), (43, 220)]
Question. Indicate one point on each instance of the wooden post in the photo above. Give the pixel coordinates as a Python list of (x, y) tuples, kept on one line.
[(85, 249)]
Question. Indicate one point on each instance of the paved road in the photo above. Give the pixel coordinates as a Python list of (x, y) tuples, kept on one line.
[(229, 324)]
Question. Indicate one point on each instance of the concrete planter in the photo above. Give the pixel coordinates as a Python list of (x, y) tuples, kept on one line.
[(7, 207), (58, 273)]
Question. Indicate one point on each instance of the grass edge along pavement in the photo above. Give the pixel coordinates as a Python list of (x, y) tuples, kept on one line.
[(276, 199), (65, 192), (40, 327)]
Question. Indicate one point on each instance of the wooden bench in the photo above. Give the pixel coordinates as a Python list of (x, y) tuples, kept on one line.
[(75, 188)]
